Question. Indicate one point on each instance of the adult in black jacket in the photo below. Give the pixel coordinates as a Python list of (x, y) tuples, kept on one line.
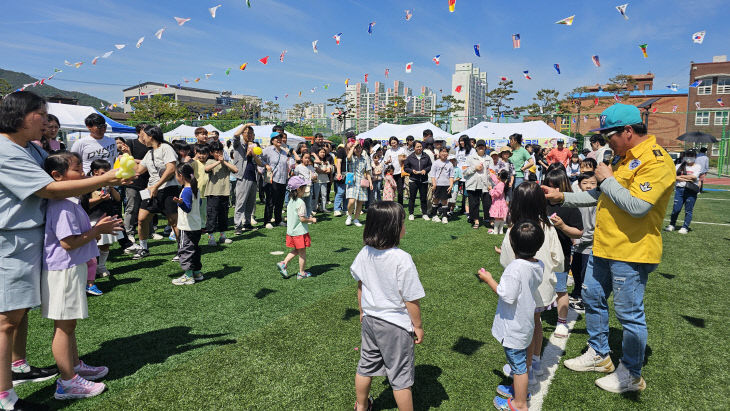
[(418, 165)]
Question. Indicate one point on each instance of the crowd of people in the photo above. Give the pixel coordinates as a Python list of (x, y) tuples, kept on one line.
[(595, 213)]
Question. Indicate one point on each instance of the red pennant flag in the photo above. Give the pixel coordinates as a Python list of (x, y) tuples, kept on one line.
[(654, 110), (458, 89), (264, 60), (595, 101), (366, 77)]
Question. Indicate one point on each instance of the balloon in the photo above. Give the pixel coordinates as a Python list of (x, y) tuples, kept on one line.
[(257, 151)]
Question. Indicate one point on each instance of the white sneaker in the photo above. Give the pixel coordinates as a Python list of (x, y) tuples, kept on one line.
[(211, 241), (435, 219), (425, 217), (669, 228), (156, 236), (132, 249), (337, 213), (411, 217), (444, 220), (102, 272), (348, 221), (590, 361), (683, 231), (253, 222), (621, 381), (78, 387), (183, 280), (269, 226), (561, 331), (357, 223), (226, 240)]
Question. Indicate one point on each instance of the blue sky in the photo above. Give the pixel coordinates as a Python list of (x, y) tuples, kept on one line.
[(36, 36)]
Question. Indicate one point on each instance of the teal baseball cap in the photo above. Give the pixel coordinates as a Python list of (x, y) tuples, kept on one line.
[(619, 115)]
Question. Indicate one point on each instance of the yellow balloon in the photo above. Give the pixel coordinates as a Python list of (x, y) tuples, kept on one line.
[(257, 151)]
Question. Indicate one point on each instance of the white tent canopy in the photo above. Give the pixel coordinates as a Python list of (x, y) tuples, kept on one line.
[(262, 134), (72, 118), (385, 130), (497, 134), (188, 131)]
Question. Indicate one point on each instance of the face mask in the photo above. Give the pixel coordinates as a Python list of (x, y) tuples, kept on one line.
[(689, 160)]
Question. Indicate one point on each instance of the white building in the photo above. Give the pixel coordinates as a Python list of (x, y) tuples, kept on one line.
[(367, 106), (472, 89), (217, 99)]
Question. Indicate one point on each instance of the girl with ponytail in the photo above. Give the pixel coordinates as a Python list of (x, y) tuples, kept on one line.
[(189, 225)]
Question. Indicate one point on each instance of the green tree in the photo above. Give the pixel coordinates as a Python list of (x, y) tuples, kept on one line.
[(5, 87), (499, 98), (394, 111), (158, 109), (572, 102), (299, 110), (271, 110), (445, 108), (343, 110), (545, 103), (620, 84)]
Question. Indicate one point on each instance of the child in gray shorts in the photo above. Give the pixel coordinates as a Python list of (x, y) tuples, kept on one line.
[(388, 291)]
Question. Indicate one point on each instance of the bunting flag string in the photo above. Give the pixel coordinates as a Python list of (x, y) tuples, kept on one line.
[(516, 41), (180, 21), (159, 32), (314, 46), (568, 21)]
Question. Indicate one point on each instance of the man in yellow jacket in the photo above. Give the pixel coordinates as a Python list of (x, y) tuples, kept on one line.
[(635, 187)]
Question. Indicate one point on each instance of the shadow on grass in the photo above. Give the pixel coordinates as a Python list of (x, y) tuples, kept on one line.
[(139, 265), (247, 235), (127, 355), (428, 392), (320, 269), (342, 250), (221, 273), (667, 276), (262, 293), (697, 322), (113, 283), (349, 314), (467, 346)]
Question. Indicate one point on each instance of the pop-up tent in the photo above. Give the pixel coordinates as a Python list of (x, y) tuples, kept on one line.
[(385, 130), (72, 118), (185, 131), (262, 134), (497, 134)]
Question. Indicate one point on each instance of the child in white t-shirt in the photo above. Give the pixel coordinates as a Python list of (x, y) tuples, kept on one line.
[(513, 323), (388, 291)]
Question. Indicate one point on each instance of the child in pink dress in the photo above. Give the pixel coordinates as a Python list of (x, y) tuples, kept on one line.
[(499, 209), (389, 185)]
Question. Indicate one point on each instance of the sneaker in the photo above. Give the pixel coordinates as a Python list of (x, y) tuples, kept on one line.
[(425, 217), (282, 269), (184, 280), (132, 249), (508, 391), (411, 217), (269, 226), (156, 236), (77, 387), (226, 240), (445, 220), (167, 230), (34, 374), (573, 299), (348, 221), (172, 237), (435, 219), (507, 370), (176, 258), (503, 403), (570, 282), (93, 290), (683, 231), (669, 228), (253, 222), (561, 330), (89, 372), (282, 224), (590, 361), (102, 272), (337, 213), (140, 254), (621, 381), (238, 231), (306, 274), (537, 367), (211, 241), (357, 223), (578, 307), (198, 277), (370, 404)]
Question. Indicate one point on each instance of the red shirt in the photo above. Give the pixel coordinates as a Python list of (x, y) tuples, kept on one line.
[(563, 156)]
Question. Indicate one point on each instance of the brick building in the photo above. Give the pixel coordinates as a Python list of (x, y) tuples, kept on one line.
[(705, 113)]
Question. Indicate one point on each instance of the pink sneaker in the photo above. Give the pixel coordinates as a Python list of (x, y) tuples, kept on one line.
[(77, 387), (90, 373)]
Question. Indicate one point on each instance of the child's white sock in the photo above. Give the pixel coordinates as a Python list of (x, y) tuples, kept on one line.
[(8, 399), (103, 256), (143, 244)]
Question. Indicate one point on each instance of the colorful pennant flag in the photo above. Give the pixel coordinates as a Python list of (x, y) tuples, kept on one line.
[(673, 86), (228, 71), (568, 21), (95, 60), (409, 15), (503, 78), (326, 86), (314, 46), (264, 60), (452, 4), (212, 10), (674, 108), (197, 80), (515, 41), (643, 50), (107, 54), (719, 101), (699, 37), (207, 75), (248, 3), (476, 50), (387, 72), (300, 93), (281, 56), (347, 82), (337, 38), (595, 101), (697, 104), (557, 67), (313, 89), (622, 9), (56, 70), (409, 67), (139, 42), (180, 21), (242, 67), (617, 98), (458, 89), (697, 83), (527, 75), (120, 46), (159, 32), (437, 59), (595, 60), (370, 28), (366, 77)]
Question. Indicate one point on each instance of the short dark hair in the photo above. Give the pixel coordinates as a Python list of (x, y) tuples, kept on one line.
[(277, 129), (201, 130), (139, 127), (558, 178), (99, 164), (155, 132), (318, 135), (15, 106), (703, 150), (60, 161), (217, 134), (384, 225), (528, 203), (587, 174), (588, 161), (427, 132), (598, 138), (215, 146), (202, 149), (517, 137), (409, 138), (180, 145), (94, 119), (390, 140), (51, 117), (639, 128), (526, 237)]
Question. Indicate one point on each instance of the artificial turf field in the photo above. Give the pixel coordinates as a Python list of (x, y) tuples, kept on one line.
[(244, 338)]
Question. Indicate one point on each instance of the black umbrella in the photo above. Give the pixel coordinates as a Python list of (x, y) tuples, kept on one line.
[(697, 137)]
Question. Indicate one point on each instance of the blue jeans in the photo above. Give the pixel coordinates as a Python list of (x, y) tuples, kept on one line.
[(517, 359), (340, 196), (518, 181), (374, 195), (562, 285), (627, 281), (684, 198)]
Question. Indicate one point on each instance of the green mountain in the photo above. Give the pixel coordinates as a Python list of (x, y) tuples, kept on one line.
[(17, 80)]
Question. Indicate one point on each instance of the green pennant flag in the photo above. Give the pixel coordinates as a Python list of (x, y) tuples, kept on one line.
[(228, 71)]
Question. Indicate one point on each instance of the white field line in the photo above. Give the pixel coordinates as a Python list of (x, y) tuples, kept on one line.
[(715, 199), (702, 222), (550, 361)]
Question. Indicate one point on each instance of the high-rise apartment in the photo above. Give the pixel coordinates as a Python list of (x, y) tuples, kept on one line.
[(468, 85)]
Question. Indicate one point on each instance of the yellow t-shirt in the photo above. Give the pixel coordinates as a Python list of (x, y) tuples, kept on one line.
[(649, 174), (200, 175)]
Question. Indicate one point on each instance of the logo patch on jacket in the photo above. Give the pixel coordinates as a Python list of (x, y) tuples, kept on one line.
[(634, 163), (657, 153), (645, 187)]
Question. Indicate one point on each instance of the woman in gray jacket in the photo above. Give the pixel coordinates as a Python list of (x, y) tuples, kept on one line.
[(478, 183)]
